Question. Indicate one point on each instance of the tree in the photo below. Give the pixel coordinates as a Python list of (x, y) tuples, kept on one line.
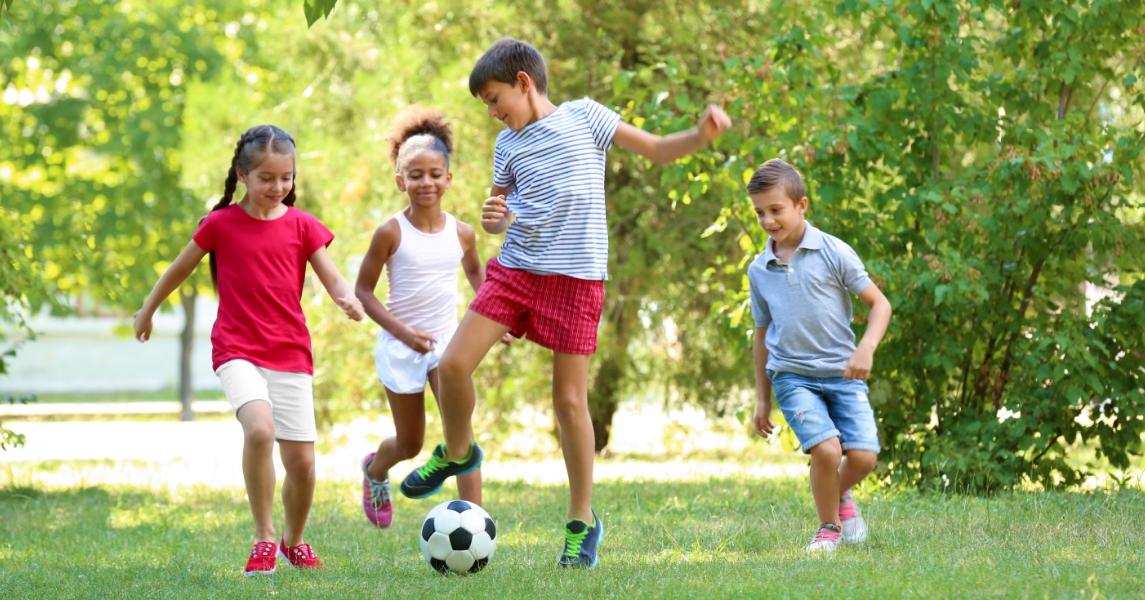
[(94, 100), (985, 162)]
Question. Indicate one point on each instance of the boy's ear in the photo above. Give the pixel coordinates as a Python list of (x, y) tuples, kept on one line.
[(525, 81), (802, 204)]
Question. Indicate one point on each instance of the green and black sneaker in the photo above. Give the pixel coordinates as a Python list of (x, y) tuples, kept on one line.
[(582, 543), (427, 479)]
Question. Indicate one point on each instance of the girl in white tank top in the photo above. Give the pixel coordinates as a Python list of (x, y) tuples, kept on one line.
[(420, 249)]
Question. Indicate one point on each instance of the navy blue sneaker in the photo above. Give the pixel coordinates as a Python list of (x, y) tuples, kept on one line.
[(427, 479), (582, 543)]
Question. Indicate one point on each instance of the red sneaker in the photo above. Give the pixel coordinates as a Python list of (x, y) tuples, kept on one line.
[(261, 561), (300, 557)]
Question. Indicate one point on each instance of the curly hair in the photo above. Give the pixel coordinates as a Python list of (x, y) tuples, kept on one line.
[(415, 129)]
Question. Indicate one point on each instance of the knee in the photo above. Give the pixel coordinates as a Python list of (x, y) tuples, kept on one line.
[(260, 435), (862, 460), (299, 463), (828, 452), (569, 405), (452, 368), (407, 448)]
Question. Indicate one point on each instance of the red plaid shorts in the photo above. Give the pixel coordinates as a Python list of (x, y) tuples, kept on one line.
[(559, 312)]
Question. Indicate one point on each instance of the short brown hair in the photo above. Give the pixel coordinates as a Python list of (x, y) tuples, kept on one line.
[(777, 173), (503, 60)]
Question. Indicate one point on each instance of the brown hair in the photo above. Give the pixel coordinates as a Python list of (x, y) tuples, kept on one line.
[(250, 151), (503, 60), (418, 128), (777, 173)]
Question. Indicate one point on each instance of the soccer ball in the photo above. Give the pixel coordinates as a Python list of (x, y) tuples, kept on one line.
[(458, 536)]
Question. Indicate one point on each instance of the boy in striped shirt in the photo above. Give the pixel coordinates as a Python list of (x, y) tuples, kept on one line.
[(548, 283)]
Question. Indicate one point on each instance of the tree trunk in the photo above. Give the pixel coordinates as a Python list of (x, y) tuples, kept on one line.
[(186, 344), (604, 397)]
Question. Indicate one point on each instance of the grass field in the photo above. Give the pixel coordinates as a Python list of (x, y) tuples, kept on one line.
[(714, 539)]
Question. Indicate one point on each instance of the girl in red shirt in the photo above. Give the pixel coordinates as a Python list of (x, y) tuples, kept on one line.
[(258, 250)]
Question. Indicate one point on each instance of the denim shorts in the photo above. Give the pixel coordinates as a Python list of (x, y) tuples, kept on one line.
[(820, 408)]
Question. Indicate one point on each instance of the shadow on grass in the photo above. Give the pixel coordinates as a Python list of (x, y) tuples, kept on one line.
[(717, 538)]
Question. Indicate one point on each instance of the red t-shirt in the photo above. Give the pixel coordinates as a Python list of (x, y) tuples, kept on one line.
[(261, 267)]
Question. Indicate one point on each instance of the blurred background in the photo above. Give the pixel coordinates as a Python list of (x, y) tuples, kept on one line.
[(984, 158)]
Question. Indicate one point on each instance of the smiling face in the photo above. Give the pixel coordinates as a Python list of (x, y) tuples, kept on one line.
[(425, 178), (269, 182), (509, 103), (779, 215)]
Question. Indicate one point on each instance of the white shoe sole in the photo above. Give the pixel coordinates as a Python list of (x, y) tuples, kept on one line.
[(253, 573)]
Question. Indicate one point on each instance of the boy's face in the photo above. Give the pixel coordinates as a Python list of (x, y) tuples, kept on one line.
[(779, 215), (509, 103)]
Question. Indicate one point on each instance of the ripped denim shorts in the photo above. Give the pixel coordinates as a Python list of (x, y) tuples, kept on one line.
[(820, 408)]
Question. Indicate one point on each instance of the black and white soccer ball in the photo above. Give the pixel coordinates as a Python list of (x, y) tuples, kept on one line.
[(459, 537)]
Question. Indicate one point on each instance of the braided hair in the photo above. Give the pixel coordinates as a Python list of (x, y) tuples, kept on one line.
[(415, 129), (250, 151)]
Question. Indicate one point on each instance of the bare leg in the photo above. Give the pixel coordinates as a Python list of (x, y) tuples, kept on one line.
[(825, 459), (297, 488), (468, 485), (408, 411), (474, 337), (258, 465), (855, 467), (570, 402)]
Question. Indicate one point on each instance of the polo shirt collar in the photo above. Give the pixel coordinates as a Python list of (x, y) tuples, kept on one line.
[(812, 240)]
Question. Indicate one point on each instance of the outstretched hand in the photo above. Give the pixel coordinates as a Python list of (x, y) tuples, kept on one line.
[(713, 122), (352, 307)]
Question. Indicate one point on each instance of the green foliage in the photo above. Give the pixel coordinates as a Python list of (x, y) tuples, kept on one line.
[(317, 9), (22, 290), (984, 159)]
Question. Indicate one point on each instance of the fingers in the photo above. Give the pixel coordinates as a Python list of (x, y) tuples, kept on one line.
[(494, 210)]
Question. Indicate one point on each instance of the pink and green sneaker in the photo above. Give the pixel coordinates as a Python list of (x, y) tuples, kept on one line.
[(376, 496)]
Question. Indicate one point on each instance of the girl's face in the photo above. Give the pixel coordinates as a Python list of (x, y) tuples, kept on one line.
[(269, 183), (425, 179)]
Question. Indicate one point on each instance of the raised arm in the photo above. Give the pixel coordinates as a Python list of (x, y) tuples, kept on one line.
[(663, 150), (336, 285), (172, 278)]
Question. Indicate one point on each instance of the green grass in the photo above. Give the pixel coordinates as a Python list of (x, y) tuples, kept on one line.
[(168, 395), (722, 538)]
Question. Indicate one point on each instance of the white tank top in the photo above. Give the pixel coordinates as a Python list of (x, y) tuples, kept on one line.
[(422, 276)]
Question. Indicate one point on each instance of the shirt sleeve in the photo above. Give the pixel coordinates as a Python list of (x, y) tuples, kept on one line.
[(602, 121), (205, 235), (502, 176), (317, 236), (759, 309), (851, 270)]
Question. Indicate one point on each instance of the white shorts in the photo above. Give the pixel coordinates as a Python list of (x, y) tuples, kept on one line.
[(290, 395), (404, 370)]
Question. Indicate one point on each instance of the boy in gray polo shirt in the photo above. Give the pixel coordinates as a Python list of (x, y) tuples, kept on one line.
[(805, 350)]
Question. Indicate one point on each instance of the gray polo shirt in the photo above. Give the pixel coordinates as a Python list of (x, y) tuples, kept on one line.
[(806, 304)]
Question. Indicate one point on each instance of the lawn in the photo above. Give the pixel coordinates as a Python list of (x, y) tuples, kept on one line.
[(721, 538)]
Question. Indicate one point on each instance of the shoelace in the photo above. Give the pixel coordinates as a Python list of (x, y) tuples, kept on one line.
[(573, 542), (848, 511), (379, 493), (826, 535), (436, 463)]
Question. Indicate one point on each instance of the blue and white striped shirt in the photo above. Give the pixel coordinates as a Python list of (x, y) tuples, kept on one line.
[(556, 168)]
